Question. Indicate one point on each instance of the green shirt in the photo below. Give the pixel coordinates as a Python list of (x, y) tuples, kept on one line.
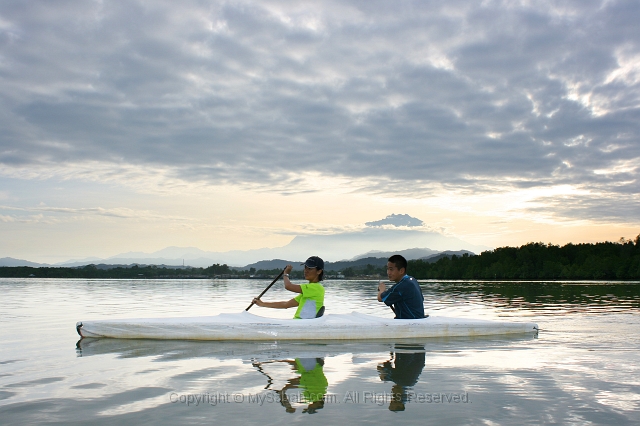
[(309, 301), (312, 379)]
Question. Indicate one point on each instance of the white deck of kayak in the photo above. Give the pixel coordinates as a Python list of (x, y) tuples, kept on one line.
[(247, 326)]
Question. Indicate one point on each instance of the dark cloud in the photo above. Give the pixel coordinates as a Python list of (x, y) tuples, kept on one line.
[(458, 94), (618, 208)]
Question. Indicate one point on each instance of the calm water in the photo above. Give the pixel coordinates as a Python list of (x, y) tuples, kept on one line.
[(582, 368)]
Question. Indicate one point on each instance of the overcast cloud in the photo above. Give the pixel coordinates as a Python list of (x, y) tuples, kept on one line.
[(463, 95)]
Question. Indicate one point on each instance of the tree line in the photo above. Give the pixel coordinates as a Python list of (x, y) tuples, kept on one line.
[(538, 261), (534, 261), (135, 271)]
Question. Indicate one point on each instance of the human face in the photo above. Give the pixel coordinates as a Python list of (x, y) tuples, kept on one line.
[(394, 273), (311, 274)]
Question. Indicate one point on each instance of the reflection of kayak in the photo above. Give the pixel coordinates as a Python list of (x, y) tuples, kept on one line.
[(246, 326), (268, 350)]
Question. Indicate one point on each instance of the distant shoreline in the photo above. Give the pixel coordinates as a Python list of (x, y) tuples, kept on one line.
[(619, 261)]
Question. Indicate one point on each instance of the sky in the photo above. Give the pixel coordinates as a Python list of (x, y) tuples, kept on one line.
[(235, 125)]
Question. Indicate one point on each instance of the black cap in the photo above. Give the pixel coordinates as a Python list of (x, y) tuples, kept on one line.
[(314, 262)]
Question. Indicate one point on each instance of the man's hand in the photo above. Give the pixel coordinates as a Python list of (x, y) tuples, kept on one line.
[(258, 302), (381, 287), (288, 269)]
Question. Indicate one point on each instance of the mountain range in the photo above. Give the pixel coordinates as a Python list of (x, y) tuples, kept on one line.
[(393, 234), (360, 261)]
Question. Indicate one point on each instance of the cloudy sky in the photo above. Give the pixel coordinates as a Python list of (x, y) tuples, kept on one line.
[(136, 125)]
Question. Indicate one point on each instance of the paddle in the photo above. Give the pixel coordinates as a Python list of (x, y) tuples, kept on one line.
[(266, 289)]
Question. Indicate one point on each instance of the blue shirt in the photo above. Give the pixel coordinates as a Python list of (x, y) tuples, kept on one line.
[(406, 298)]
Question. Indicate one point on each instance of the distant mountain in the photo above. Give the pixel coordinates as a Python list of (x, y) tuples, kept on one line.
[(378, 262), (104, 266), (337, 247), (271, 264), (397, 220), (377, 239), (79, 262), (328, 266), (197, 262), (10, 261), (435, 257), (385, 240), (364, 261), (382, 261), (409, 254), (172, 252), (262, 265)]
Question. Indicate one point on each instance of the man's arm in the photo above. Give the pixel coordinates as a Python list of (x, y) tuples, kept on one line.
[(277, 305), (291, 286), (393, 294), (287, 282)]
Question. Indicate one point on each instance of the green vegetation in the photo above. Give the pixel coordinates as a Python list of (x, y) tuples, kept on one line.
[(534, 261), (138, 271), (365, 271), (538, 261), (91, 271)]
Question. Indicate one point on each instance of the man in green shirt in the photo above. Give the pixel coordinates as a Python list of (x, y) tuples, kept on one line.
[(311, 296)]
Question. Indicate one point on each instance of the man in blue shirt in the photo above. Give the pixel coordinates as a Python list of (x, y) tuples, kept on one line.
[(405, 296)]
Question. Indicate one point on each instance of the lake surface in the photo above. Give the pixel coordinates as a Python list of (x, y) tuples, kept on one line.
[(582, 368)]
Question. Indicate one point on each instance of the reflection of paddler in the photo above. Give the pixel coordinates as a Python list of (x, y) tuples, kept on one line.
[(404, 369), (311, 381)]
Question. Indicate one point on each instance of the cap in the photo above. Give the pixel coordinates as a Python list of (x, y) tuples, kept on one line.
[(314, 262)]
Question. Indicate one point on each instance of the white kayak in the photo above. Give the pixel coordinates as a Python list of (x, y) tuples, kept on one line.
[(246, 326)]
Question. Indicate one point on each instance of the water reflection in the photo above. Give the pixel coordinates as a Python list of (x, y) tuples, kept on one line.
[(582, 370), (531, 297), (261, 351), (541, 298), (403, 369), (295, 371), (310, 380)]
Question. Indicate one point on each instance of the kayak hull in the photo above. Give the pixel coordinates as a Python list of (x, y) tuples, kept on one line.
[(246, 326)]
